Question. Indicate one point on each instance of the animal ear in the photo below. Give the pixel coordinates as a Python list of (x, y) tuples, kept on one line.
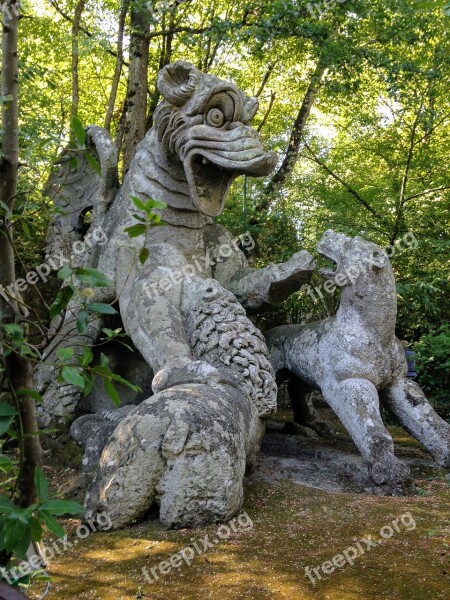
[(250, 110), (378, 259), (177, 82)]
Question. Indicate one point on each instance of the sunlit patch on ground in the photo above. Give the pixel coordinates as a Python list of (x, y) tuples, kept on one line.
[(294, 527)]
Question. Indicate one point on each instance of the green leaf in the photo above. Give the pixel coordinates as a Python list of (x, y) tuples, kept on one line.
[(138, 218), (15, 332), (73, 161), (151, 204), (5, 424), (31, 394), (136, 230), (87, 357), (6, 506), (112, 392), (137, 202), (89, 382), (35, 529), (93, 277), (82, 320), (26, 229), (16, 535), (51, 523), (5, 209), (79, 131), (62, 507), (40, 483), (446, 10), (65, 353), (65, 272), (93, 163), (73, 375), (6, 410), (103, 309), (63, 297), (125, 382), (5, 463), (109, 332), (143, 255)]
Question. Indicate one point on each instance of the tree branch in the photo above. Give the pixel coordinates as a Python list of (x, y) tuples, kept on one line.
[(290, 158), (346, 185), (425, 192), (268, 111)]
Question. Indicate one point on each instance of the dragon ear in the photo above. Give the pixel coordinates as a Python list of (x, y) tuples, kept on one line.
[(250, 110), (177, 82)]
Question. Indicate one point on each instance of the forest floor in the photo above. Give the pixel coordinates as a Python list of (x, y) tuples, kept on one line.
[(298, 517)]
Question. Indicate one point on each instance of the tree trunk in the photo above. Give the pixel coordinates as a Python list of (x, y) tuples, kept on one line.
[(21, 377), (9, 163), (290, 158), (18, 369), (165, 57), (75, 58), (135, 123), (119, 65)]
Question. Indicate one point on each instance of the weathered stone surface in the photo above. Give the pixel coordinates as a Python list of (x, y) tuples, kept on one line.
[(188, 160), (355, 355), (185, 449), (210, 364), (93, 432)]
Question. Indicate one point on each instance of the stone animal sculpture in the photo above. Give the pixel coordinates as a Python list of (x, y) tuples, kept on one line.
[(187, 447), (355, 359)]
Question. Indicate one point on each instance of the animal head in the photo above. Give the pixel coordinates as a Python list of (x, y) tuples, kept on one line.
[(203, 122), (356, 259)]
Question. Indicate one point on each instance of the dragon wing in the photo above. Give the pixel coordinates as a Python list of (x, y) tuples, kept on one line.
[(82, 187)]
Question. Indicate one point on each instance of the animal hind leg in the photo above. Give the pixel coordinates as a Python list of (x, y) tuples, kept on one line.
[(304, 411), (408, 403), (356, 403)]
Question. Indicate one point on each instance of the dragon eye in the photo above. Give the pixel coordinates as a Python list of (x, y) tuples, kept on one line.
[(215, 118)]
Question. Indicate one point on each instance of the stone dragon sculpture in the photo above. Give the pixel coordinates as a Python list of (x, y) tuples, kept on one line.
[(355, 359), (186, 447)]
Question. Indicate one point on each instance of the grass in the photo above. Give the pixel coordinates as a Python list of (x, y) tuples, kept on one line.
[(293, 527)]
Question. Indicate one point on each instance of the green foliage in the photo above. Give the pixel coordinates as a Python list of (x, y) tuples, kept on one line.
[(19, 526), (150, 219), (81, 371), (433, 365)]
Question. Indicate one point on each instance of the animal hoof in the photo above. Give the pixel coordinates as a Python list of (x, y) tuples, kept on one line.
[(391, 473)]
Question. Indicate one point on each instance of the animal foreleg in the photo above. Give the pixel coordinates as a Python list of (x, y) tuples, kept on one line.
[(260, 289), (408, 403), (154, 322), (356, 403)]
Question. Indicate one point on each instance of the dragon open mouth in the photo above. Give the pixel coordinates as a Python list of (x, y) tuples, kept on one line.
[(211, 165)]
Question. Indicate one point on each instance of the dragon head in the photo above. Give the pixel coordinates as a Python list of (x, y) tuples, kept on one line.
[(203, 123)]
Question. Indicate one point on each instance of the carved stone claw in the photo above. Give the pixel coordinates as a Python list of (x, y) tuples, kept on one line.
[(181, 371)]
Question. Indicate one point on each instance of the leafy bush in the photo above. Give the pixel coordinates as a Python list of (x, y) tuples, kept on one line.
[(433, 365), (19, 526)]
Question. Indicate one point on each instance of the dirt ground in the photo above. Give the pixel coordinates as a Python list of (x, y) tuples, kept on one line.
[(303, 510)]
